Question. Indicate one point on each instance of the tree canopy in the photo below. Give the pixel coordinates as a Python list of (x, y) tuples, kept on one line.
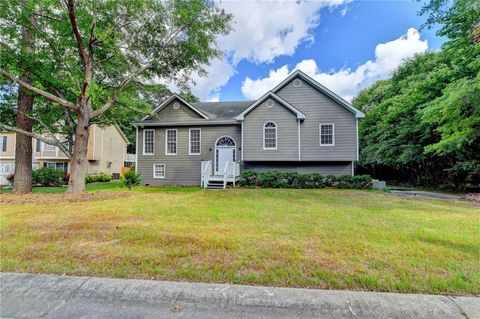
[(423, 124)]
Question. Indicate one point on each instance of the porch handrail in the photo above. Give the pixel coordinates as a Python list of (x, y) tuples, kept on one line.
[(205, 171), (228, 171)]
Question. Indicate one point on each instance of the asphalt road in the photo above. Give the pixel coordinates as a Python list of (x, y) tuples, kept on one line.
[(46, 296)]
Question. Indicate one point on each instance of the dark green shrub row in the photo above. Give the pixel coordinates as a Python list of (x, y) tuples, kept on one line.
[(281, 179), (98, 178)]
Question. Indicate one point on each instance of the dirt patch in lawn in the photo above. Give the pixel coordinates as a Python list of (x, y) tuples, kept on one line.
[(35, 198)]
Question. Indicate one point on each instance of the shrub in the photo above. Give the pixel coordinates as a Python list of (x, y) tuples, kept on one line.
[(131, 179), (98, 178), (46, 176), (281, 179)]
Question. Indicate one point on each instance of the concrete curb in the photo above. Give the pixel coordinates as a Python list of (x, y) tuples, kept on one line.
[(47, 296)]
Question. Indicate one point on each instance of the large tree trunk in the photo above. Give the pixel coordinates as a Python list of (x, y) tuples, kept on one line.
[(23, 143), (78, 164)]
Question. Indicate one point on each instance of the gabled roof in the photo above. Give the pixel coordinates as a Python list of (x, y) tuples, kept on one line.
[(121, 133), (170, 99), (321, 88), (222, 111), (267, 95)]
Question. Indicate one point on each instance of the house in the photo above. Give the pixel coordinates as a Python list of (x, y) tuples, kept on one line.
[(107, 151), (300, 125)]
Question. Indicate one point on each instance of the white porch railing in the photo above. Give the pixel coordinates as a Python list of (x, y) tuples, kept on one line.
[(230, 173), (206, 171)]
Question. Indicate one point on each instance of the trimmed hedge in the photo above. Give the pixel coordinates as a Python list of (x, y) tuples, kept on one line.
[(282, 179), (98, 178)]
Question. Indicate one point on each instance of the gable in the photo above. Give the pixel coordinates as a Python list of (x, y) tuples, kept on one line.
[(272, 99), (294, 83), (311, 101), (176, 111)]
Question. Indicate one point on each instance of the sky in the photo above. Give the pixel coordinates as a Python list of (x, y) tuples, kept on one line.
[(344, 44)]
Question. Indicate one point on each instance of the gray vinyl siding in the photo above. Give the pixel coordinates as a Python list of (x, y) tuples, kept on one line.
[(287, 134), (319, 108), (182, 169), (327, 168), (184, 113)]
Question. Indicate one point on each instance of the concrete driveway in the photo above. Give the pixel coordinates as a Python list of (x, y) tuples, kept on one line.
[(45, 296)]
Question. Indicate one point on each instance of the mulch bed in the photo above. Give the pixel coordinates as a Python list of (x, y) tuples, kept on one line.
[(472, 197), (39, 198)]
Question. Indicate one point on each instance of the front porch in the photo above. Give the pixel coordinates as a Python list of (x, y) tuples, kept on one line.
[(230, 175)]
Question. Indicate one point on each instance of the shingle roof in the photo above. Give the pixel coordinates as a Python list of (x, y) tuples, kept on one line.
[(221, 111)]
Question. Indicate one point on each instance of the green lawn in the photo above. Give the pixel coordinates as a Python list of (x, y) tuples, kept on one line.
[(338, 239), (93, 187)]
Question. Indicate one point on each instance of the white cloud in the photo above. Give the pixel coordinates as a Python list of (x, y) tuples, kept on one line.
[(262, 31), (347, 82)]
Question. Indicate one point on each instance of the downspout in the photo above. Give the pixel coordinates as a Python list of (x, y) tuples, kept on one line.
[(299, 141), (136, 150), (241, 143)]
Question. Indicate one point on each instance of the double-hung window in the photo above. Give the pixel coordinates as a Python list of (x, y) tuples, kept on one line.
[(194, 141), (148, 142), (327, 134), (158, 170), (171, 142), (270, 136), (49, 147)]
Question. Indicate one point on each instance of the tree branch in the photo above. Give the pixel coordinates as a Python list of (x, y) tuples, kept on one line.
[(105, 107), (49, 96), (76, 32), (37, 136)]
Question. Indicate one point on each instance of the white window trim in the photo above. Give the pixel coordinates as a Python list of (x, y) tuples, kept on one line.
[(320, 134), (190, 140), (164, 170), (166, 141), (143, 137), (276, 137)]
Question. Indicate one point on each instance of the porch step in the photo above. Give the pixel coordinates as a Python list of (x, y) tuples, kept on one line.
[(215, 184)]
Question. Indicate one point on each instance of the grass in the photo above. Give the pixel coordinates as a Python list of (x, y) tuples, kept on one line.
[(336, 239), (93, 187)]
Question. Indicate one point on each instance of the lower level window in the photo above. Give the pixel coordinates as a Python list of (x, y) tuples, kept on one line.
[(159, 171)]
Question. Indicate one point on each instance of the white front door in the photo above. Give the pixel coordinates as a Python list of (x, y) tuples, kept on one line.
[(224, 155)]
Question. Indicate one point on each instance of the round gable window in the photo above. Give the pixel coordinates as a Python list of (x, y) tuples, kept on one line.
[(270, 103), (176, 106), (297, 83)]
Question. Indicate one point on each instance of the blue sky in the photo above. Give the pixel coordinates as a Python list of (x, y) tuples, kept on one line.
[(345, 45)]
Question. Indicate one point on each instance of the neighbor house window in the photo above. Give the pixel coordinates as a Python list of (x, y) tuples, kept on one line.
[(3, 143), (38, 146), (270, 136), (171, 145), (59, 166), (327, 135), (158, 170), (49, 147), (194, 141), (148, 142)]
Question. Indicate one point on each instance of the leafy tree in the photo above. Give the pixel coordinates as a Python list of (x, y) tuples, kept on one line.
[(91, 56), (423, 124)]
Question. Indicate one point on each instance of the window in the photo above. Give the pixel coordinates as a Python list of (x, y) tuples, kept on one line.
[(49, 147), (171, 145), (148, 142), (38, 146), (3, 143), (56, 166), (158, 170), (194, 141), (327, 135), (270, 136)]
